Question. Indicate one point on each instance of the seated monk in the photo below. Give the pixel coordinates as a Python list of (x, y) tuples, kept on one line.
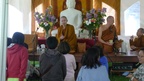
[(66, 33), (107, 35), (138, 42)]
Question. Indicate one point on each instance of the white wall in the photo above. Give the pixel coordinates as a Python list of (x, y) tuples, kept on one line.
[(19, 16)]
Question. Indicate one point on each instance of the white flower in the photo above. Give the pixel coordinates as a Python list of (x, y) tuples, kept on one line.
[(56, 20), (45, 23), (87, 22)]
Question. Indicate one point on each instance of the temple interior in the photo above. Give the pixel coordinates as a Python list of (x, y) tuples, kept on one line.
[(20, 16)]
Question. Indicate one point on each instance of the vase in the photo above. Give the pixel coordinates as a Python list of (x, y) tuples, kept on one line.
[(47, 34), (95, 32), (90, 34)]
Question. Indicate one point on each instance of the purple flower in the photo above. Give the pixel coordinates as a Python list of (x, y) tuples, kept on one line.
[(47, 11), (53, 19), (44, 18), (88, 15), (36, 13), (92, 11), (104, 10), (99, 10), (49, 17), (95, 15), (38, 20)]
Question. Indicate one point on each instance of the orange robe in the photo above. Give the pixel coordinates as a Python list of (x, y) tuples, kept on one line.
[(108, 34), (70, 36), (137, 42)]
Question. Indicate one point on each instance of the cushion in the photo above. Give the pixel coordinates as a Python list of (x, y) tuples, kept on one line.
[(81, 47), (89, 42)]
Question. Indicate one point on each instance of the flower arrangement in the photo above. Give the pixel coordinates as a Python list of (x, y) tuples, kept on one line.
[(94, 18), (47, 20)]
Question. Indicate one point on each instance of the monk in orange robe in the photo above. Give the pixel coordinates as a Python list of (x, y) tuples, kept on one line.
[(107, 35), (138, 42), (66, 33)]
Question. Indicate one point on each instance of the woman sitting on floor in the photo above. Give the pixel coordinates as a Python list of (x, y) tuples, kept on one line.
[(91, 69)]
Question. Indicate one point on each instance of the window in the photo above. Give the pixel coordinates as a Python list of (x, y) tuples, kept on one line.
[(132, 19)]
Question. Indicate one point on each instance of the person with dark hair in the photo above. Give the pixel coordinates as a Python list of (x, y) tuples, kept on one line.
[(66, 33), (138, 75), (91, 69), (103, 59), (9, 41), (17, 57), (52, 62), (136, 43), (64, 48)]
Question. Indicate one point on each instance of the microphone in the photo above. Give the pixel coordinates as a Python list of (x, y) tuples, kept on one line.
[(35, 34)]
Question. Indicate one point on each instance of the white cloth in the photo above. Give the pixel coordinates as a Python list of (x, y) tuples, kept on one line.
[(71, 66)]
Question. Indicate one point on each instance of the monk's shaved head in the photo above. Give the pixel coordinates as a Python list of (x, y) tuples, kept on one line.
[(110, 18), (64, 17), (142, 30)]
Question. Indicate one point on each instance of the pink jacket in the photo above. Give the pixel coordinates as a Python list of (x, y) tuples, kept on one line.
[(17, 57)]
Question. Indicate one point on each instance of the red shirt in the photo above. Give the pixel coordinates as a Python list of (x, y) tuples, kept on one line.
[(17, 57)]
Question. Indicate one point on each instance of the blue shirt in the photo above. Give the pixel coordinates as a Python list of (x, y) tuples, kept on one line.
[(94, 74), (103, 60)]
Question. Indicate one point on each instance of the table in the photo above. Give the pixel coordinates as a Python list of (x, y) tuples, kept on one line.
[(129, 57)]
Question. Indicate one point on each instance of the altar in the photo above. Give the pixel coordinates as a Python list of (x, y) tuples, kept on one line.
[(89, 42)]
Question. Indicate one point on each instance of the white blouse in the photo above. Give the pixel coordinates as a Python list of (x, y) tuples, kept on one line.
[(71, 66)]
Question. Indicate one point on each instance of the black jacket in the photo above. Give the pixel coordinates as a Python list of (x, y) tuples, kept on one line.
[(58, 70)]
